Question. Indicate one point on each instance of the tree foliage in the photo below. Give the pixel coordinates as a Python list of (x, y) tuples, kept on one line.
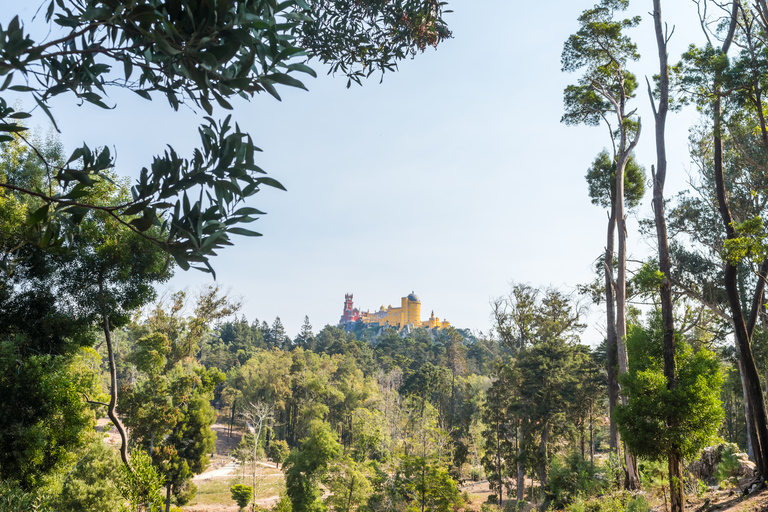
[(91, 484), (308, 466), (45, 423), (168, 405), (694, 404), (195, 53), (602, 49), (601, 178), (241, 494), (140, 485)]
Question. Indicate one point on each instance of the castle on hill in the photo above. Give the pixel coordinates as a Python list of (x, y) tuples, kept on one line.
[(408, 315)]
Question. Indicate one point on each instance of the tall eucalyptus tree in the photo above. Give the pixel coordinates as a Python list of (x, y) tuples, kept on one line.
[(674, 457), (602, 49), (711, 80)]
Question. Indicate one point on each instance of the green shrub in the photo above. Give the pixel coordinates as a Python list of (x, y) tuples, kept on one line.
[(13, 497), (613, 472), (694, 486), (568, 478), (246, 445), (638, 504), (278, 451), (142, 487), (726, 447), (644, 422), (614, 502), (652, 473), (283, 504), (185, 493), (90, 484), (728, 469), (576, 505), (241, 494)]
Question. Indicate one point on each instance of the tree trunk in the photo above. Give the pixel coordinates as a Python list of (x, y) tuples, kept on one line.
[(520, 466), (674, 461), (112, 407), (676, 490), (591, 440), (612, 359), (351, 489), (632, 481), (543, 477), (257, 434), (742, 332), (621, 274), (498, 461), (748, 424), (453, 401), (631, 473), (625, 149), (168, 498), (424, 486), (232, 417)]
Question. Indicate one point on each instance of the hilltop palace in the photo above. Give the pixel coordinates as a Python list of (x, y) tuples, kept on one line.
[(407, 316)]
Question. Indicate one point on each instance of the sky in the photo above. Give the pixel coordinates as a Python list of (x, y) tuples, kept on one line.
[(451, 178)]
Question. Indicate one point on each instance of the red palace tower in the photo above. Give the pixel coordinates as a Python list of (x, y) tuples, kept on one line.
[(351, 314)]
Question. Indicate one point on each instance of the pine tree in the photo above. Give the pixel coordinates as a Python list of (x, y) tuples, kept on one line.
[(277, 334), (500, 453), (306, 339)]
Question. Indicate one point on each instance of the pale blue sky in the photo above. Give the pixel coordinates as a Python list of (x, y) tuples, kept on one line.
[(451, 178)]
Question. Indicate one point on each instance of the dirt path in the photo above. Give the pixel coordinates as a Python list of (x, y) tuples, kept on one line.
[(729, 500), (222, 472), (222, 464), (226, 444)]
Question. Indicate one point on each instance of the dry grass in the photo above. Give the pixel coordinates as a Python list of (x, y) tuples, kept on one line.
[(215, 491)]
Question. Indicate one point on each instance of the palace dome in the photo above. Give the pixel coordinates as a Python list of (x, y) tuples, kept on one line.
[(413, 297)]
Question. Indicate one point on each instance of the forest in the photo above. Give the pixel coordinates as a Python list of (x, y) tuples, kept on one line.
[(118, 395)]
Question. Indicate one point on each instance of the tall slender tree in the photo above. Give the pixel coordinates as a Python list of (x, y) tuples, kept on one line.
[(601, 178), (257, 415), (499, 448), (674, 457), (708, 76), (601, 48), (539, 384)]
